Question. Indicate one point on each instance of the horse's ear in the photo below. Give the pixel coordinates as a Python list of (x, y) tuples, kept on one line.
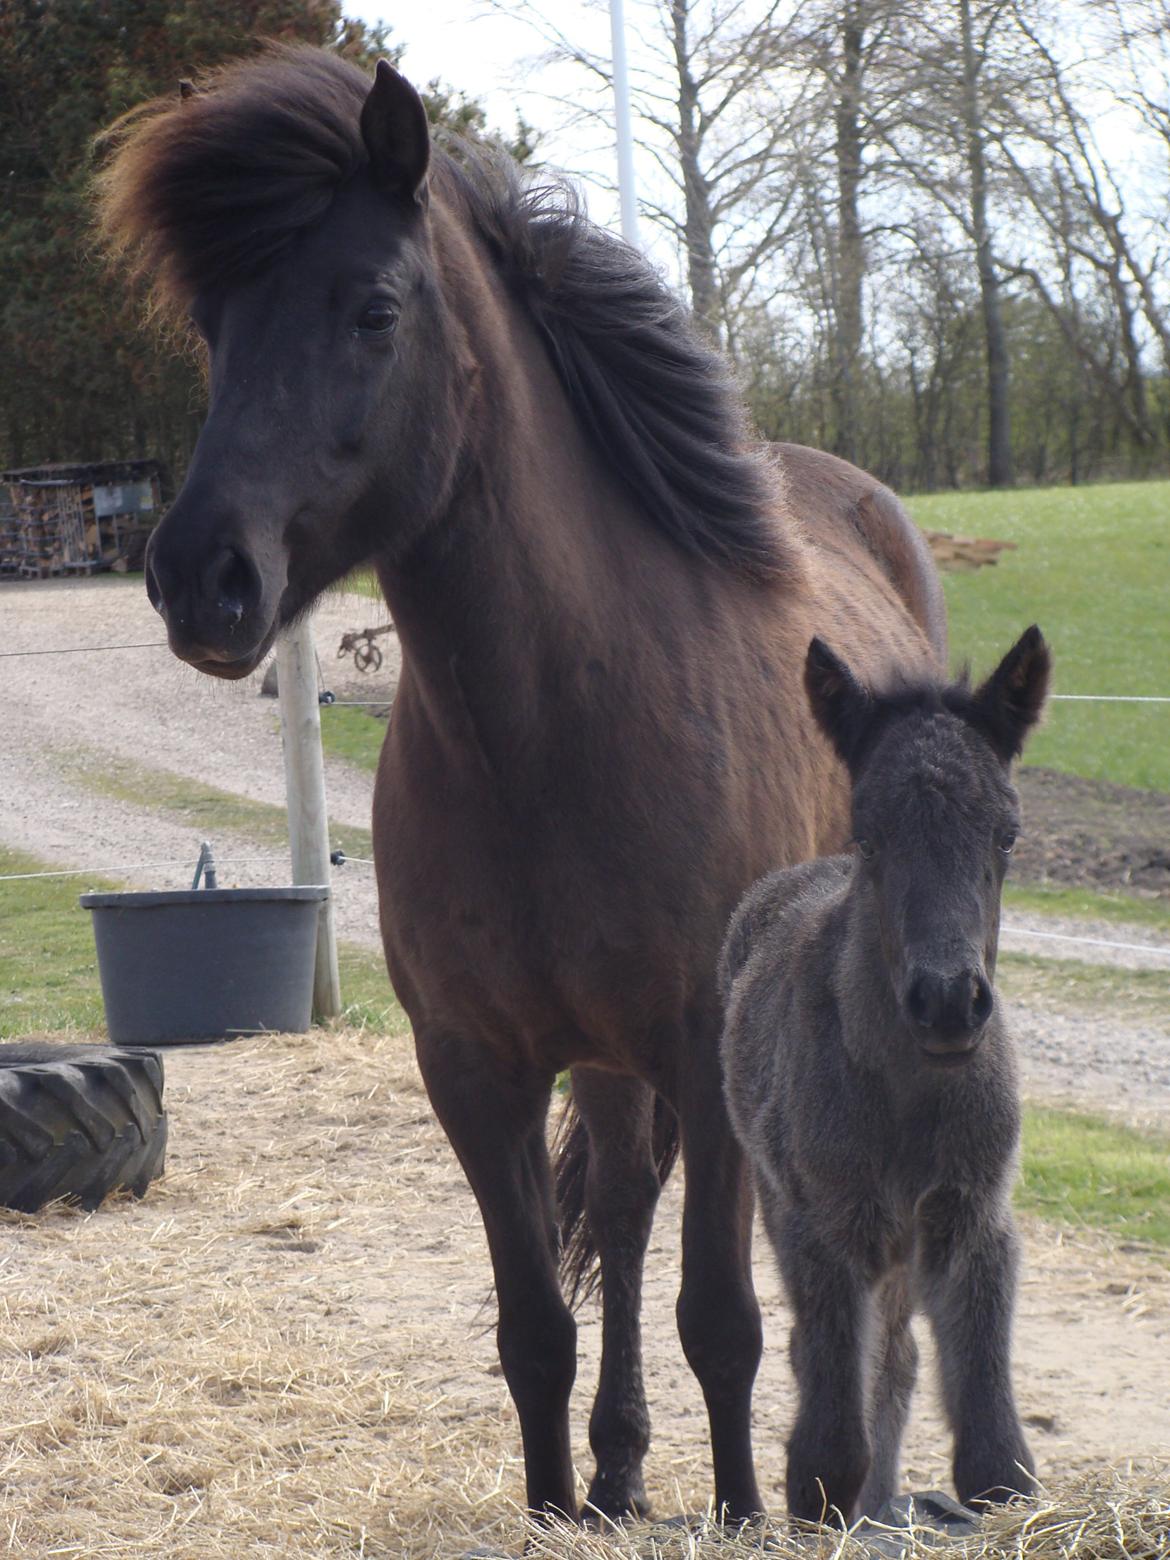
[(1008, 704), (396, 133), (840, 704)]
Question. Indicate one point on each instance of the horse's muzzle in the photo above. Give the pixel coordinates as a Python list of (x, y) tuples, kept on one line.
[(213, 611)]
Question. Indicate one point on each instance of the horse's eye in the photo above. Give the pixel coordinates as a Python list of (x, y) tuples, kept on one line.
[(865, 849), (378, 319), (1007, 842)]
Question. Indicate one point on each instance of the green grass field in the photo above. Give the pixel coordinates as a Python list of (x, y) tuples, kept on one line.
[(1093, 569), (1084, 1171)]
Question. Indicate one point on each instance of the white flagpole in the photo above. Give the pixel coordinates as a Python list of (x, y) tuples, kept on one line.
[(625, 140)]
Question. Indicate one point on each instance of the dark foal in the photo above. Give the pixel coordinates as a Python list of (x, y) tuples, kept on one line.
[(872, 1082)]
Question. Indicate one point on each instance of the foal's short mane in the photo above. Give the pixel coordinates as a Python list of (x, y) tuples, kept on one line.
[(211, 186)]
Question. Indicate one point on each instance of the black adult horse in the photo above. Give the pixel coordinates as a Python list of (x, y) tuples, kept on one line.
[(603, 597)]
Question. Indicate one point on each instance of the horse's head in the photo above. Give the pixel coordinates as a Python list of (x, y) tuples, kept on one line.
[(935, 818), (285, 209)]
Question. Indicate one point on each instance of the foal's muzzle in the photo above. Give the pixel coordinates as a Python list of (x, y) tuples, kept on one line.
[(948, 1011)]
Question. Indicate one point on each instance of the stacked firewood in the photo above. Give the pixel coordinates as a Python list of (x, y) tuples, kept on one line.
[(77, 519)]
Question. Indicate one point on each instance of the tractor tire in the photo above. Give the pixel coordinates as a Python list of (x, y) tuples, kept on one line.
[(78, 1121)]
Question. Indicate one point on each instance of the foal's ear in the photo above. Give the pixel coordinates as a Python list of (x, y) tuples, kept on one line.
[(396, 133), (1008, 704), (841, 705)]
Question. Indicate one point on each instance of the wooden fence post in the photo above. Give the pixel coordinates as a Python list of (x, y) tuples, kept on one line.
[(304, 779)]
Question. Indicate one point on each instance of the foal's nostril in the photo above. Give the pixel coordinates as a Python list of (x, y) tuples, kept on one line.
[(920, 1003), (982, 1001)]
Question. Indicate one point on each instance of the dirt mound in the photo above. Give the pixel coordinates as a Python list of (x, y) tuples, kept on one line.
[(1093, 834)]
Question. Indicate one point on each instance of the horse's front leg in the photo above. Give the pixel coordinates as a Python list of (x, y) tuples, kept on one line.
[(496, 1124), (621, 1192), (969, 1264), (829, 1451), (718, 1316)]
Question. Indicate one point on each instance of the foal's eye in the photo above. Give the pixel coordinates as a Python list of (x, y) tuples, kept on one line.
[(1007, 842), (377, 319), (866, 849)]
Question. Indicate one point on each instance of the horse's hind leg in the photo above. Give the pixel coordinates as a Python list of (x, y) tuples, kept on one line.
[(496, 1124), (621, 1192), (718, 1317), (894, 1364)]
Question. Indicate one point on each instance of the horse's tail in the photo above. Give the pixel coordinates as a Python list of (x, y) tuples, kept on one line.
[(580, 1270)]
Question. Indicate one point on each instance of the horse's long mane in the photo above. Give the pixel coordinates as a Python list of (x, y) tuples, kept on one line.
[(200, 190)]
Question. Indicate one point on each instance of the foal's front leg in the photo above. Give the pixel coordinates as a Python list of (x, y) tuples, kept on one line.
[(969, 1263), (496, 1124), (893, 1369), (829, 1451)]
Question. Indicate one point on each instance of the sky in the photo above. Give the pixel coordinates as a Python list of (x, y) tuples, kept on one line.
[(496, 59)]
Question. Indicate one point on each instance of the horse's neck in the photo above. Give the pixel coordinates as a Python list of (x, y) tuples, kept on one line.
[(519, 585)]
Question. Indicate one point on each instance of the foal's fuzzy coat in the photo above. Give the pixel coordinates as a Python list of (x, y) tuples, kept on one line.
[(872, 1082)]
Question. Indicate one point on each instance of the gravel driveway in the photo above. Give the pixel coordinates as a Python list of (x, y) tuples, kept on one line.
[(61, 714)]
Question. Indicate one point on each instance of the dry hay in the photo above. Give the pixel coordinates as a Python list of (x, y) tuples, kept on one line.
[(270, 1354)]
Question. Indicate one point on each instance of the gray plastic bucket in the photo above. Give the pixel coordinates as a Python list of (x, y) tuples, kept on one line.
[(206, 964)]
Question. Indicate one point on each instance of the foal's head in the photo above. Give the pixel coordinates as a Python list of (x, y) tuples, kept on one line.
[(935, 818)]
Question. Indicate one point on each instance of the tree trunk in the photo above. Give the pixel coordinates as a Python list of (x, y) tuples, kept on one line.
[(698, 226), (850, 249), (999, 442)]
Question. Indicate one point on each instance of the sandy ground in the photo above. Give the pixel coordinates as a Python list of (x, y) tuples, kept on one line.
[(286, 1347)]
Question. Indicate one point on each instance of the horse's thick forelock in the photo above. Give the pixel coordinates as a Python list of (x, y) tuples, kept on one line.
[(201, 188)]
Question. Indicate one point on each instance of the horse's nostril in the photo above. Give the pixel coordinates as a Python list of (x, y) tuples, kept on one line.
[(153, 589), (235, 587)]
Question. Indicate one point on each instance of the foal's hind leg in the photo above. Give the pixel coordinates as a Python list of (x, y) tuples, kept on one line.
[(496, 1124), (969, 1267), (621, 1193), (718, 1317), (894, 1366)]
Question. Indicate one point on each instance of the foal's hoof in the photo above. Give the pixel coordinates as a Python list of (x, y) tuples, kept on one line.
[(930, 1510), (746, 1536)]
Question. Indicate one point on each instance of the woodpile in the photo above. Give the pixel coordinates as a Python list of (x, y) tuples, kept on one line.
[(77, 519), (957, 554)]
